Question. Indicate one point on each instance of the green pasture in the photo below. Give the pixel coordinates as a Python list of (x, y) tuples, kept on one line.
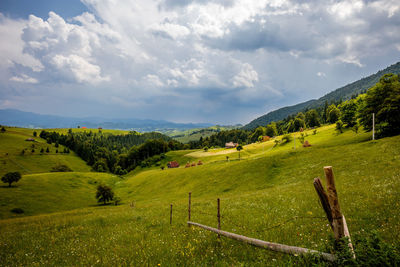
[(268, 195)]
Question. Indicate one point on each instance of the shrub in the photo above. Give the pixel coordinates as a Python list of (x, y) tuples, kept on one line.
[(276, 141), (17, 210), (287, 138), (339, 126), (60, 168)]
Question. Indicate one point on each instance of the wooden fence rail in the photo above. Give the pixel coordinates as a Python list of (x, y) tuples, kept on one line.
[(267, 245)]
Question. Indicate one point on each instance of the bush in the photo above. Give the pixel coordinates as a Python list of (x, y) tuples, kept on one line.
[(287, 138), (60, 168), (17, 210), (339, 126)]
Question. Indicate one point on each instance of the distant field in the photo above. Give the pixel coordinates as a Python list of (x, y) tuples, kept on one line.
[(267, 195), (195, 134)]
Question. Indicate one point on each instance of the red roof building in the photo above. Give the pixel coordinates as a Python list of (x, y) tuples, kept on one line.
[(173, 164)]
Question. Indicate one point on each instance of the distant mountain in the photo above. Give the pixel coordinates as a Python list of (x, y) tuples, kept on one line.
[(344, 93), (12, 117)]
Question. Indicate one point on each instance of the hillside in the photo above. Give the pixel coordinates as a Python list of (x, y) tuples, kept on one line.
[(195, 134), (342, 93), (267, 195), (13, 141)]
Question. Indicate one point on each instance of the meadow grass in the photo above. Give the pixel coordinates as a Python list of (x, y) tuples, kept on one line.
[(267, 195), (12, 142)]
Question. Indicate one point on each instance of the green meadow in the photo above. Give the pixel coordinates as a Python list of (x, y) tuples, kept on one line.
[(268, 194)]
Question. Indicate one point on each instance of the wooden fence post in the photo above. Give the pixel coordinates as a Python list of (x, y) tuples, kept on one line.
[(323, 197), (170, 215), (190, 203), (337, 217), (219, 216)]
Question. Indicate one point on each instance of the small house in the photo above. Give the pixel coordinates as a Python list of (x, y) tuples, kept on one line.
[(173, 164), (231, 145)]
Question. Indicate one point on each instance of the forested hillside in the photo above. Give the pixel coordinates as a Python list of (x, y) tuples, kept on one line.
[(343, 93)]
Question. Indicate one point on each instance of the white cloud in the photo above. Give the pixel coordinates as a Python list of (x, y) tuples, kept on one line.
[(23, 79), (81, 69), (246, 77), (11, 46), (199, 49)]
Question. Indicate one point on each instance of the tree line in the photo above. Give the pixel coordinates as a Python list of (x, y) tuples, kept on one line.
[(118, 154)]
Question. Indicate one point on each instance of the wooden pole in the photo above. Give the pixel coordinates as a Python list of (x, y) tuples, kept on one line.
[(323, 197), (219, 216), (267, 245), (373, 126), (170, 215), (337, 217), (347, 234), (190, 202)]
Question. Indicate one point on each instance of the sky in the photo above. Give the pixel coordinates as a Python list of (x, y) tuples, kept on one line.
[(222, 62)]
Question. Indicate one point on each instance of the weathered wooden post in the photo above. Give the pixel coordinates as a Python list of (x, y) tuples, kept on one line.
[(330, 204), (190, 203), (323, 197), (219, 216), (170, 215), (337, 217)]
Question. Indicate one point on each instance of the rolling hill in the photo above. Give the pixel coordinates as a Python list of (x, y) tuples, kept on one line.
[(267, 195), (343, 93)]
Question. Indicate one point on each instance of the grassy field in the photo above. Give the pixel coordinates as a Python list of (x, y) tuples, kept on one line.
[(13, 141), (268, 195)]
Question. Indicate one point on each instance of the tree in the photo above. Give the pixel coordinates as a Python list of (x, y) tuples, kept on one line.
[(325, 112), (11, 177), (100, 165), (333, 114), (349, 110), (34, 133), (271, 130), (3, 129), (42, 150), (238, 148), (104, 194), (259, 131), (47, 150), (312, 118), (383, 99)]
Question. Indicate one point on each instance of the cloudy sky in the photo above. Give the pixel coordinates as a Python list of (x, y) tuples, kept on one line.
[(224, 62)]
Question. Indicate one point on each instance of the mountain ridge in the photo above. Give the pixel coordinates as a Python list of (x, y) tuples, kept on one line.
[(344, 93), (14, 117)]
